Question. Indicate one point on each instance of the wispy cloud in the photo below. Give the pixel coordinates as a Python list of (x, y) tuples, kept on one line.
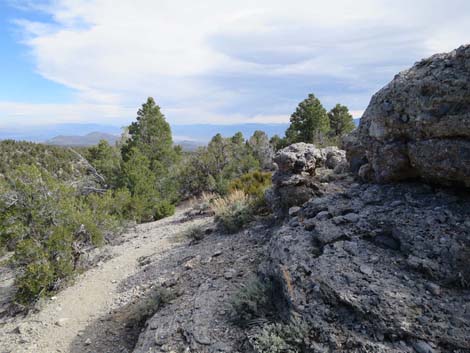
[(219, 61)]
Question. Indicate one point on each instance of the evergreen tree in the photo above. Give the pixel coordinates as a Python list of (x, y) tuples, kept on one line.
[(151, 134), (309, 122), (262, 149), (341, 121), (141, 182), (107, 161)]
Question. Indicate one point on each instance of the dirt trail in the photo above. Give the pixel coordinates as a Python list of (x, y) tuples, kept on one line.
[(95, 295)]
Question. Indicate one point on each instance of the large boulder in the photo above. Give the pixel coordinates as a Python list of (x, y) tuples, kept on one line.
[(418, 126)]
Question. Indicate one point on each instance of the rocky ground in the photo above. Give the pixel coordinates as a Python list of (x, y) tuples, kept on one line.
[(206, 276), (378, 268)]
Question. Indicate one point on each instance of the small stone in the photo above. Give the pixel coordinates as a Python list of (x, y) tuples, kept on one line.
[(323, 216), (217, 253), (190, 264), (422, 347), (294, 211), (294, 222), (62, 322), (21, 329), (206, 260), (396, 203), (351, 247), (433, 288), (366, 270), (229, 274), (309, 224), (87, 342), (338, 220), (351, 217)]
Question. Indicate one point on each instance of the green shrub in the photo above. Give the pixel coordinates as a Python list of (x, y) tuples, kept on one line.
[(233, 212), (35, 281), (43, 220), (253, 184), (282, 338), (251, 302), (163, 209), (59, 247)]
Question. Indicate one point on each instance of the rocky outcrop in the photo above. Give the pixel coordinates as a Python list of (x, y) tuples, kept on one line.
[(297, 178), (377, 268), (418, 125)]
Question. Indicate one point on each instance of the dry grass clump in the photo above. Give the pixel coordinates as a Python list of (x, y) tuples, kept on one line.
[(195, 233), (233, 211)]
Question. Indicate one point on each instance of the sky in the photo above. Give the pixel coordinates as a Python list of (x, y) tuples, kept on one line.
[(209, 61)]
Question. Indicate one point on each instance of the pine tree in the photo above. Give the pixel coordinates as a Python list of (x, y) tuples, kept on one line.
[(141, 182), (341, 121), (151, 134), (309, 122)]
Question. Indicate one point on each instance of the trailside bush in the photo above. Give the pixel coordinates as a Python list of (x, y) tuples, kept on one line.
[(35, 281), (233, 211), (163, 209), (60, 252), (47, 224)]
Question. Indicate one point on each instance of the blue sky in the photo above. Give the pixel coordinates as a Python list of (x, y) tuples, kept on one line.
[(96, 61), (20, 82)]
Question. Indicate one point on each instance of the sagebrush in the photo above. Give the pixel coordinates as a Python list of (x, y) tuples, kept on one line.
[(233, 212)]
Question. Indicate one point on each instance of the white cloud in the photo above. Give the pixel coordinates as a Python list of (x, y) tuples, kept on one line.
[(195, 57), (17, 114)]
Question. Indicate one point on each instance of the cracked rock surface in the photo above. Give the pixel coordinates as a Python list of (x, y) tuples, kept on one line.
[(378, 268)]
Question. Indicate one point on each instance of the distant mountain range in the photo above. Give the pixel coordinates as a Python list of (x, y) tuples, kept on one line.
[(47, 132), (90, 139), (201, 133), (189, 136)]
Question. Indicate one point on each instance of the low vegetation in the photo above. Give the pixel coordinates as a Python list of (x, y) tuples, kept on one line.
[(234, 211), (252, 306), (282, 338), (252, 303), (195, 233), (253, 184)]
